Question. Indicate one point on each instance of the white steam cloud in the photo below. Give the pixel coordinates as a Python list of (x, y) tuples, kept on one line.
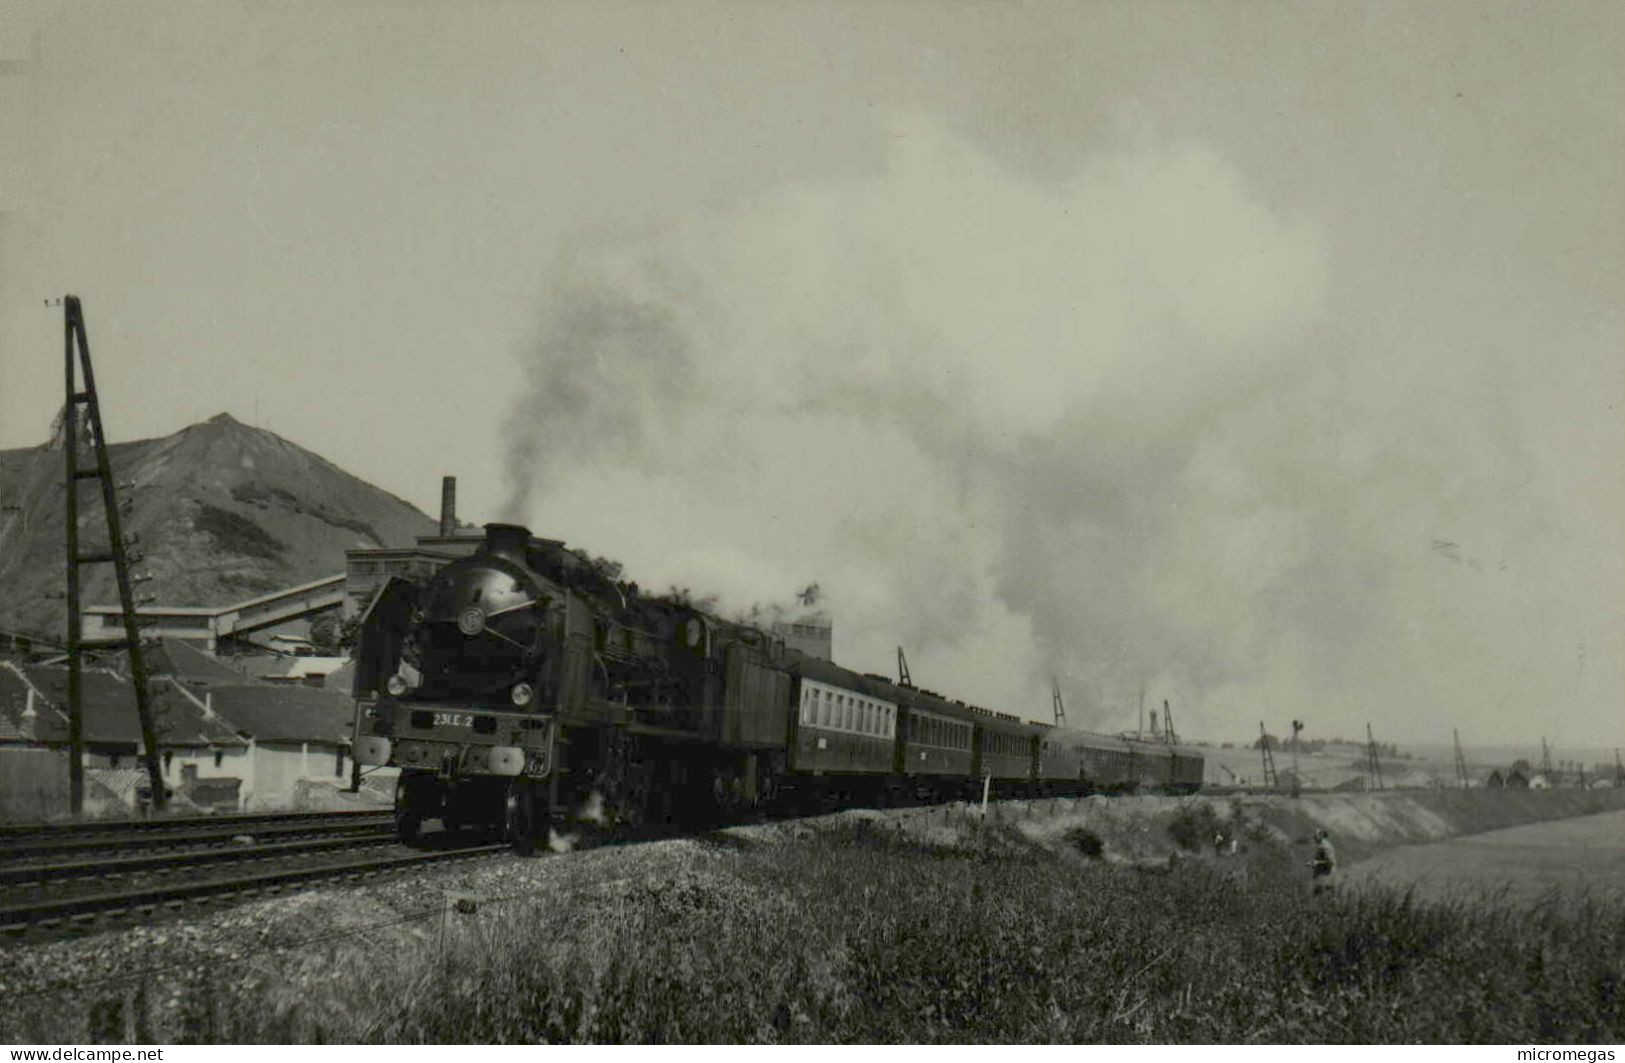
[(1021, 427)]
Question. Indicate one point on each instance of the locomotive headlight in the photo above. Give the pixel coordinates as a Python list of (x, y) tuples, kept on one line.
[(523, 693), (405, 678)]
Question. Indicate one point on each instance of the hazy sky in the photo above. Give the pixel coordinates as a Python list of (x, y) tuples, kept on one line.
[(1266, 356)]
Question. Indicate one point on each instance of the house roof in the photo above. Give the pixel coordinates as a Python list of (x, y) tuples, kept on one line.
[(110, 716), (14, 726), (281, 668), (184, 661), (118, 783), (285, 713), (343, 679)]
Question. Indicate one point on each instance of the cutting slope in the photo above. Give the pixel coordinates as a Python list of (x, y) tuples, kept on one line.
[(223, 512)]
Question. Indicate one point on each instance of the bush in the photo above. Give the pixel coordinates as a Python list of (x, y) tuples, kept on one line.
[(1194, 826), (1086, 842)]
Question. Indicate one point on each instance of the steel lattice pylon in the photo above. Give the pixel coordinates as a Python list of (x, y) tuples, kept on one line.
[(73, 320)]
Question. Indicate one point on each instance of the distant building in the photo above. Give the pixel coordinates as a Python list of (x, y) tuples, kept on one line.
[(209, 626), (193, 743), (812, 634), (367, 570), (226, 741), (295, 734)]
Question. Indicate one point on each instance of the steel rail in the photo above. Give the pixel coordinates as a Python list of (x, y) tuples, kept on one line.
[(163, 861), (110, 826), (103, 843), (15, 918)]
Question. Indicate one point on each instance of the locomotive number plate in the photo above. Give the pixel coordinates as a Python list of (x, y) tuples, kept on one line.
[(453, 719)]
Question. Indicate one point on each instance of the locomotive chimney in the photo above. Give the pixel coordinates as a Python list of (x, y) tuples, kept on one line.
[(448, 506), (507, 541)]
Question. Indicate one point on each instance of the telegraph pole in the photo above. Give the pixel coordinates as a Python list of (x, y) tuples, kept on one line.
[(1297, 779), (73, 321)]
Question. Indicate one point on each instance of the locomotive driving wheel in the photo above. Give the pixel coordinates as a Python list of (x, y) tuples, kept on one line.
[(412, 794), (624, 781), (520, 819), (408, 826)]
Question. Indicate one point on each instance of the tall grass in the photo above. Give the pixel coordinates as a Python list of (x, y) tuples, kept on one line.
[(858, 934)]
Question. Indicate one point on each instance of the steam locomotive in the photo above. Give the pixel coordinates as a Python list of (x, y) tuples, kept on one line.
[(520, 685)]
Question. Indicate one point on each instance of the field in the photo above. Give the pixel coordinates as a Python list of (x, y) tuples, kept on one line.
[(861, 929), (1564, 862)]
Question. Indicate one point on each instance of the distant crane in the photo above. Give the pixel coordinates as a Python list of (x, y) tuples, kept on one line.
[(1168, 723), (1373, 766), (1461, 762), (1059, 705), (1271, 779), (903, 678)]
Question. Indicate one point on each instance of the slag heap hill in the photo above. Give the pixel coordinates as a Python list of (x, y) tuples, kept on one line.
[(223, 511)]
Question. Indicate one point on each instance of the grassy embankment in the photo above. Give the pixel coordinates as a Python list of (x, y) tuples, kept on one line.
[(859, 932)]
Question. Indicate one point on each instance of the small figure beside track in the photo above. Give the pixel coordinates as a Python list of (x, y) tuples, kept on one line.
[(1324, 863)]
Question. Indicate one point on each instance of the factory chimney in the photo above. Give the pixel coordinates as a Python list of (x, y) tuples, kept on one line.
[(448, 506)]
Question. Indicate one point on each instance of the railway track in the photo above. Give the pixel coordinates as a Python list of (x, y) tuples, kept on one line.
[(84, 875), (55, 909), (52, 840)]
